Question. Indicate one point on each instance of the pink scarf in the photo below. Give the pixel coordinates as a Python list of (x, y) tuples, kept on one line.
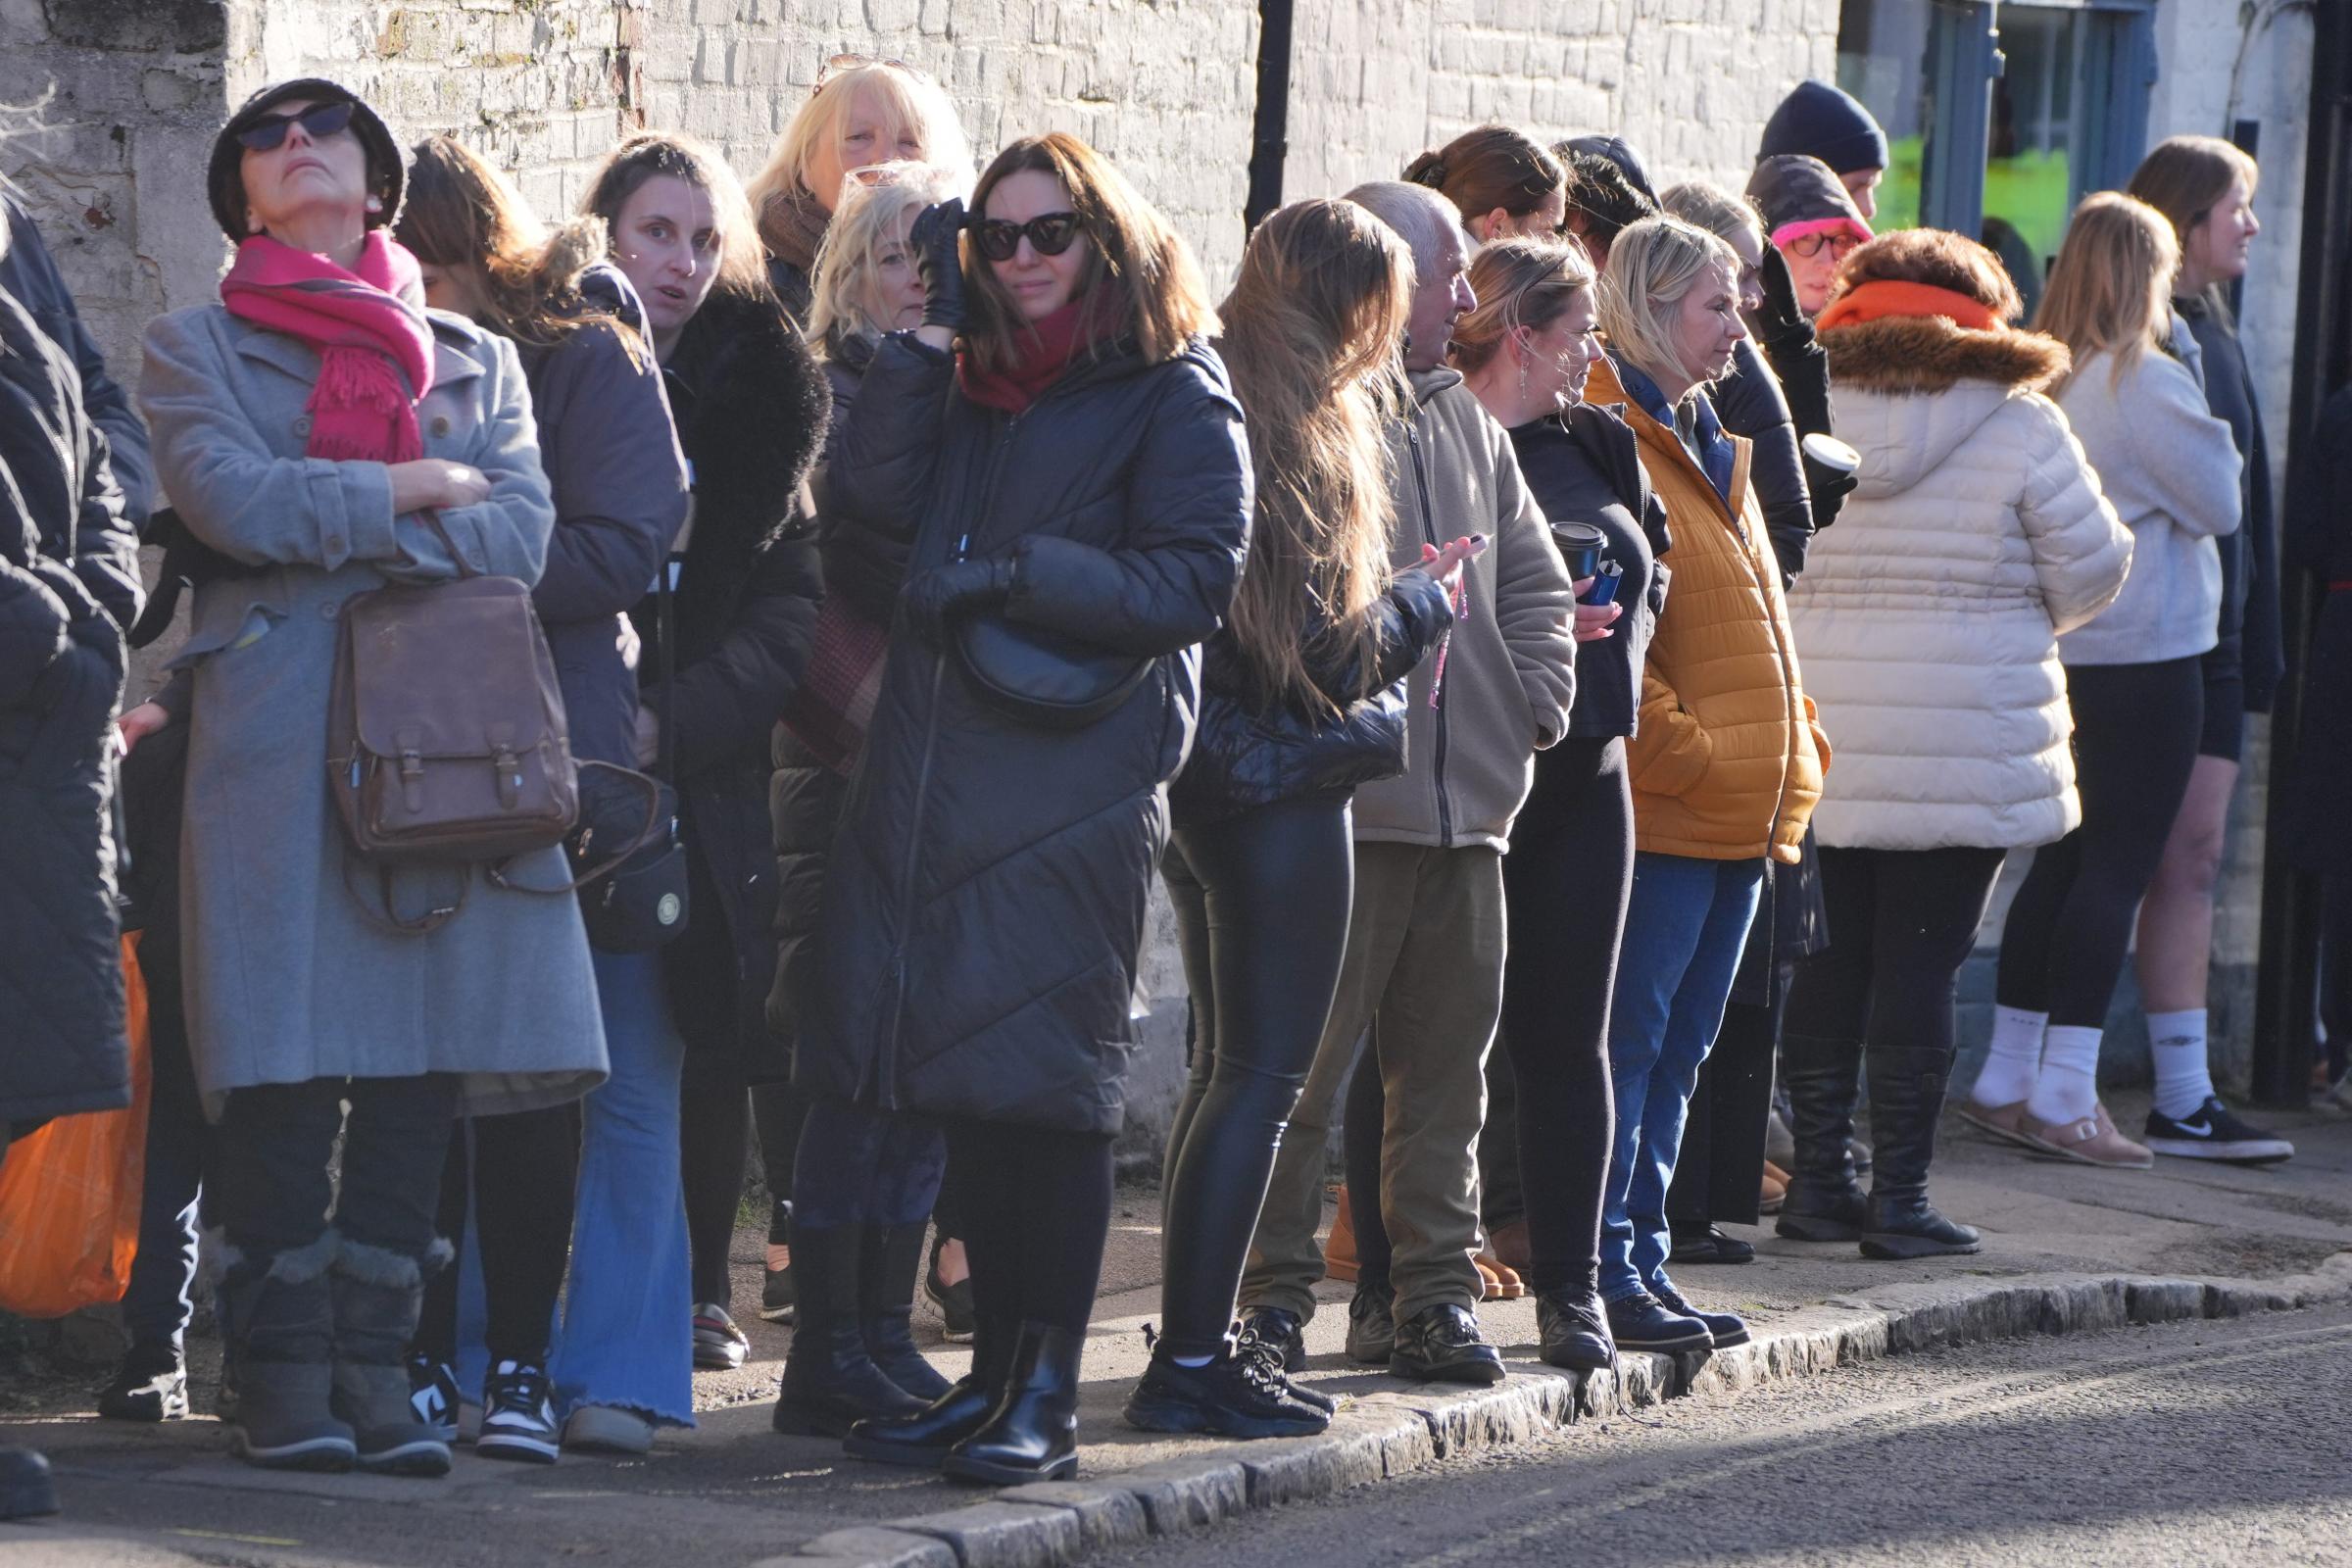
[(375, 346)]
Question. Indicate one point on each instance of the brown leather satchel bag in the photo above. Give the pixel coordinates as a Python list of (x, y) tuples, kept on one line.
[(446, 737)]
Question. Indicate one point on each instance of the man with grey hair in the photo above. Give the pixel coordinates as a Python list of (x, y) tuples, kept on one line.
[(1424, 939)]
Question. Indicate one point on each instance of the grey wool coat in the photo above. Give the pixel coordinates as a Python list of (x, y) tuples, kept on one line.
[(286, 979)]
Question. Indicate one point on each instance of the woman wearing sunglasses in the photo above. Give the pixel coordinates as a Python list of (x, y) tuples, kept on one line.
[(1810, 221), (1067, 439), (302, 426), (862, 111)]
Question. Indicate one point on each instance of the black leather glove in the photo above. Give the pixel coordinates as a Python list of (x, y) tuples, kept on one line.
[(930, 596), (938, 264), (1780, 318)]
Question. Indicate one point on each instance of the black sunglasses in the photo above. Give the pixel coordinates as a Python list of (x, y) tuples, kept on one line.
[(317, 123), (1050, 232)]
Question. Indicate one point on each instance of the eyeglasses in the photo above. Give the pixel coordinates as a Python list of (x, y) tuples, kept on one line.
[(841, 62), (1809, 246), (1050, 232), (317, 123)]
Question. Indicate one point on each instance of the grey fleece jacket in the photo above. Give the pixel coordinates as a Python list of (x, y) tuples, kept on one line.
[(1509, 664)]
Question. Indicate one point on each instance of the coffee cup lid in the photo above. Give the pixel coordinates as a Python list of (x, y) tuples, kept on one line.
[(1584, 533), (1832, 453)]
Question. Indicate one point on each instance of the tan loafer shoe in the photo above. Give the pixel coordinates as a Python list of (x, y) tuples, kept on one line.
[(2005, 1123), (2089, 1140)]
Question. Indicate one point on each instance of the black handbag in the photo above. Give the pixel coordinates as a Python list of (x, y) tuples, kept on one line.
[(1041, 677), (642, 903)]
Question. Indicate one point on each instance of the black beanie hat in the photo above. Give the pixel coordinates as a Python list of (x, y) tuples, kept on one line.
[(1820, 121), (225, 180)]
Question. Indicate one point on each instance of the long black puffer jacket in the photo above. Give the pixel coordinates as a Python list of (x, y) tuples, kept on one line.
[(64, 601), (750, 407), (1248, 755), (986, 898)]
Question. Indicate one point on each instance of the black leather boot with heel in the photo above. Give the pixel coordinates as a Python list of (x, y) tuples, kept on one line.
[(922, 1439), (1032, 1434), (830, 1380), (1823, 1077), (1907, 1086)]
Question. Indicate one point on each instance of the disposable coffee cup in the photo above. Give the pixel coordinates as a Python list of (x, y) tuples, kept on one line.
[(1832, 453), (1581, 546)]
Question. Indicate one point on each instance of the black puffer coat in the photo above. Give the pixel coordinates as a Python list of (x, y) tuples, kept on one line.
[(1586, 466), (1248, 756), (750, 407), (986, 899), (63, 606), (1750, 401)]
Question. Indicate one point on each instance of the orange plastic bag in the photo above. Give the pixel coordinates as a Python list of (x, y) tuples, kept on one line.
[(69, 1193)]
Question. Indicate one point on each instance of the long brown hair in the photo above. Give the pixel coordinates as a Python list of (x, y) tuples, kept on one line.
[(2111, 290), (650, 154), (1139, 277), (461, 213), (1487, 168), (2184, 178), (1519, 282), (1313, 328)]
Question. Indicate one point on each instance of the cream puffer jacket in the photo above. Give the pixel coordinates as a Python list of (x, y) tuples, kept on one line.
[(1929, 617)]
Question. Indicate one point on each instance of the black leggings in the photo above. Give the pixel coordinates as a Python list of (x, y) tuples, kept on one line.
[(1901, 922), (2137, 730), (520, 1172), (1565, 886), (714, 1125), (1261, 907), (1036, 1210)]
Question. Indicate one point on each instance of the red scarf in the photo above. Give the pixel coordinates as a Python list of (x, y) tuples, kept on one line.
[(1040, 358), (375, 346), (1888, 296)]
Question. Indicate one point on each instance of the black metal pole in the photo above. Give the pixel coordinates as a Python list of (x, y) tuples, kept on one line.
[(1269, 143), (2286, 989)]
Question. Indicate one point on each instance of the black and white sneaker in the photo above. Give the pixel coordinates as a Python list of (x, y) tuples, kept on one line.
[(432, 1394), (2214, 1133), (518, 1419)]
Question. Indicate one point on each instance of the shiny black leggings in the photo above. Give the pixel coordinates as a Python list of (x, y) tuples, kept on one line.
[(1261, 907)]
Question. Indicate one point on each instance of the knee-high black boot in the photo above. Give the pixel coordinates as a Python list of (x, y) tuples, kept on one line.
[(830, 1380), (886, 1273), (1825, 1203), (1032, 1434), (1907, 1085)]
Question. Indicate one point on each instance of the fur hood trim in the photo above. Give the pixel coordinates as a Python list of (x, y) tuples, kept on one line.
[(753, 420), (1915, 354)]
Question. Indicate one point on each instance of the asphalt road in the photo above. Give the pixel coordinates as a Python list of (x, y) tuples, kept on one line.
[(2191, 1444), (2202, 1443)]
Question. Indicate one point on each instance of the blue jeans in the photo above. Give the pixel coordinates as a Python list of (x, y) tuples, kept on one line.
[(627, 1333), (1684, 931)]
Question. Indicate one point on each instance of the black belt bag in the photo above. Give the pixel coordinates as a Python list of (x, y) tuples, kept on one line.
[(642, 903)]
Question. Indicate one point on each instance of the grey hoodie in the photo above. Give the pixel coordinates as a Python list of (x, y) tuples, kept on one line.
[(1509, 664)]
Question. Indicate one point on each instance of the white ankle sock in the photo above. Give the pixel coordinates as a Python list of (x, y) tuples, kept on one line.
[(2184, 1075), (1192, 1360), (2008, 1075), (2068, 1089)]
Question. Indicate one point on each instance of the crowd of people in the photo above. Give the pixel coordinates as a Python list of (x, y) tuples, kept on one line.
[(1449, 617)]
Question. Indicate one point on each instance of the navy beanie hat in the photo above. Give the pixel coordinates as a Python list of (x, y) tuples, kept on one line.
[(1818, 121), (1617, 150)]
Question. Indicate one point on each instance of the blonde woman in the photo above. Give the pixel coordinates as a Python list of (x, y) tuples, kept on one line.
[(2134, 675), (1727, 763), (2204, 187), (860, 113), (1305, 701), (1081, 483)]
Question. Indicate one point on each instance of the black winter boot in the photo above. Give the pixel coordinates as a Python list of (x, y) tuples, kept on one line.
[(379, 1294), (1032, 1434), (886, 1275), (279, 1317), (1823, 1077), (830, 1380), (1907, 1086), (923, 1439)]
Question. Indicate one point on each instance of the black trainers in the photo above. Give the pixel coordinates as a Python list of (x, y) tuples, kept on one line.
[(1235, 1396), (1726, 1329), (1371, 1326), (1640, 1322), (2214, 1133), (432, 1394), (149, 1386), (1274, 1336), (954, 1302), (518, 1418), (1706, 1243), (1442, 1345), (1572, 1331)]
